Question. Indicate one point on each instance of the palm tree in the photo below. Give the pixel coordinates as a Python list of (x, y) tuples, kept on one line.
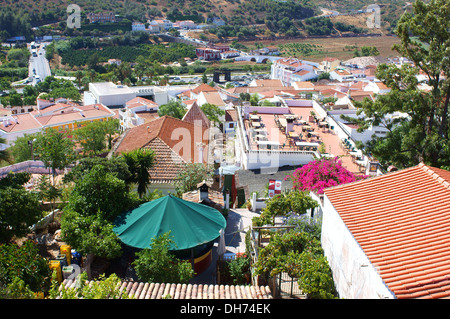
[(139, 161)]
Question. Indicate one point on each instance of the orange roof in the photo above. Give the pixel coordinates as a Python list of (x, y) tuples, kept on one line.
[(203, 88), (138, 101), (24, 122), (179, 135), (195, 115), (402, 222)]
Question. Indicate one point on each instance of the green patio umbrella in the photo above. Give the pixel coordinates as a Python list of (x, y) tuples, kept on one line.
[(190, 224)]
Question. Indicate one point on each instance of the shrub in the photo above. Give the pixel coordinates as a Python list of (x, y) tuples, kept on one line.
[(320, 174)]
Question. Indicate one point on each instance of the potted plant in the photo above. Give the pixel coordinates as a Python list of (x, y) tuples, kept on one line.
[(240, 269)]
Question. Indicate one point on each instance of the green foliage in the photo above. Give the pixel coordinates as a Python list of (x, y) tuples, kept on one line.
[(188, 178), (14, 23), (174, 108), (17, 289), (158, 264), (26, 264), (48, 191), (14, 180), (319, 26), (292, 201), (366, 51), (300, 255), (93, 136), (423, 136), (91, 234), (19, 209), (212, 112), (127, 53), (102, 288), (300, 49), (139, 162), (100, 191), (239, 268), (55, 149), (115, 165)]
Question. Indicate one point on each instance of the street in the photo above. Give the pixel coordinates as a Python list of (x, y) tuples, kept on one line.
[(39, 68)]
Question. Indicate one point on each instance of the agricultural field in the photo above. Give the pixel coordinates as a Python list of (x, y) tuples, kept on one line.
[(341, 48)]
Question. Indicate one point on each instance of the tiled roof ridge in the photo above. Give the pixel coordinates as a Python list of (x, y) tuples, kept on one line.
[(145, 290), (435, 175)]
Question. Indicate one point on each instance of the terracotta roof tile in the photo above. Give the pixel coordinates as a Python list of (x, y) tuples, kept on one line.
[(142, 290), (203, 88), (179, 135), (195, 113), (167, 162), (402, 222)]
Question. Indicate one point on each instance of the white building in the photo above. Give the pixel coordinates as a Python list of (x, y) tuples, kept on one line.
[(115, 96), (341, 75), (138, 26), (291, 70)]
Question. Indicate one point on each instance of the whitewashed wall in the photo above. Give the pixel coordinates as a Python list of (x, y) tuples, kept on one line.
[(354, 276)]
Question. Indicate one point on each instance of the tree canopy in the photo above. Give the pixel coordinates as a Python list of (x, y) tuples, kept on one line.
[(423, 134)]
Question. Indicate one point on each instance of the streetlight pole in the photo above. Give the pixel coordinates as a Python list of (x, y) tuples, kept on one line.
[(31, 145)]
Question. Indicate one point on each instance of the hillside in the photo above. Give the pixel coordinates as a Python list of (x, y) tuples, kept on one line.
[(241, 12)]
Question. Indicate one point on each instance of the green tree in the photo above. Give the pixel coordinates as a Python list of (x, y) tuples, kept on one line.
[(91, 137), (173, 108), (19, 210), (300, 255), (139, 162), (115, 165), (424, 134), (48, 191), (91, 235), (24, 263), (111, 127), (100, 191), (292, 201), (158, 264), (213, 112), (55, 149), (192, 174)]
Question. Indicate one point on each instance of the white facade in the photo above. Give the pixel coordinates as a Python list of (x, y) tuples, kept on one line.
[(285, 69), (302, 76), (112, 95), (354, 276), (137, 26)]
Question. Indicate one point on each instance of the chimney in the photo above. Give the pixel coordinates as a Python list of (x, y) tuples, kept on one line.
[(203, 190)]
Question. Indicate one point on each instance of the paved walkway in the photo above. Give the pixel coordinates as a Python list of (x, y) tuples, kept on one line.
[(238, 223)]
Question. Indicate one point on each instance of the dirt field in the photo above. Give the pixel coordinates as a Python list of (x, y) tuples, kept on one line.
[(336, 47)]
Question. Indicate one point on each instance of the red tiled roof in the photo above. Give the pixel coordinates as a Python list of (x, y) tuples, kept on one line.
[(203, 88), (181, 136), (402, 222), (141, 290), (167, 162), (195, 115)]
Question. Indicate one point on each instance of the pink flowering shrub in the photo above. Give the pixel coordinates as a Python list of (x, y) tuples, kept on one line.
[(320, 174)]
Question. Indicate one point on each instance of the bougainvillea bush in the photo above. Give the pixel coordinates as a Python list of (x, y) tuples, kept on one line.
[(320, 174)]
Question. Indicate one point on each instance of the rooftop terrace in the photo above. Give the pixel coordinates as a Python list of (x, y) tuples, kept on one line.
[(305, 133)]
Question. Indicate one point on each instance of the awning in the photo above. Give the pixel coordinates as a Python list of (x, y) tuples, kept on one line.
[(190, 224)]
